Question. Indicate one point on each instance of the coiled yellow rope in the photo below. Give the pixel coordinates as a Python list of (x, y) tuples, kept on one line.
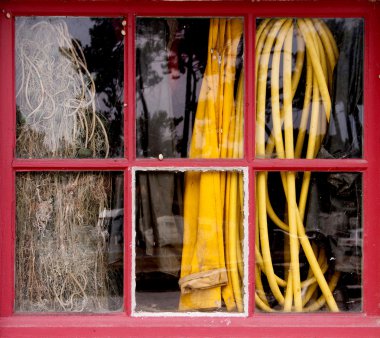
[(274, 42)]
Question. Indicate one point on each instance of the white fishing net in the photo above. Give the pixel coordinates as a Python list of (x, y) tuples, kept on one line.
[(55, 93)]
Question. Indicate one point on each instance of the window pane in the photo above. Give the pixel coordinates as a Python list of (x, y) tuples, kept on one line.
[(308, 241), (69, 242), (309, 92), (189, 87), (69, 87), (189, 241)]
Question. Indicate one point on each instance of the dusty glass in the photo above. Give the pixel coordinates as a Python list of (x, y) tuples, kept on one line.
[(189, 87), (69, 87), (69, 242), (309, 88), (309, 241), (189, 236)]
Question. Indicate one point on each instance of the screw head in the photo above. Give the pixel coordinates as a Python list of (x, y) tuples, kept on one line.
[(8, 15), (160, 157)]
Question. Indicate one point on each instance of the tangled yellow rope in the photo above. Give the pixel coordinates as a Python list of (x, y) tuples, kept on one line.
[(314, 42)]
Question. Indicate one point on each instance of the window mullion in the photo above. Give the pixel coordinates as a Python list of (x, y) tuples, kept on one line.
[(250, 103), (130, 87), (7, 131)]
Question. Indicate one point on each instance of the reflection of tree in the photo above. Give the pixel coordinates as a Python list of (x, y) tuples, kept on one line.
[(192, 50), (143, 119), (149, 48), (167, 49), (162, 133), (104, 58)]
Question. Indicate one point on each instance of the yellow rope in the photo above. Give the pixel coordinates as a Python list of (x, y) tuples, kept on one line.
[(275, 37)]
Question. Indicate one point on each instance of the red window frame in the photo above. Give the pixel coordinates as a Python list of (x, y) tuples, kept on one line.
[(366, 323)]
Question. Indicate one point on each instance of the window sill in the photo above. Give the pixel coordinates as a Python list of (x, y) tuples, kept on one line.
[(324, 325)]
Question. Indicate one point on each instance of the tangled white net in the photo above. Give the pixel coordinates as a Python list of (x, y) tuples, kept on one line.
[(62, 244), (55, 93)]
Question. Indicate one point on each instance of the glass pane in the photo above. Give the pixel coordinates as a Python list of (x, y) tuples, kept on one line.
[(69, 87), (189, 87), (69, 242), (308, 241), (189, 241), (309, 92)]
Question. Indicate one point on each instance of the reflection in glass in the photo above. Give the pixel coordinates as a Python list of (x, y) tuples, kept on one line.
[(308, 241), (69, 242), (69, 87), (189, 235), (189, 87), (309, 88)]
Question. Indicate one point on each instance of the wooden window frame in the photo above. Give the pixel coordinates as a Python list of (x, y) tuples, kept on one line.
[(366, 323)]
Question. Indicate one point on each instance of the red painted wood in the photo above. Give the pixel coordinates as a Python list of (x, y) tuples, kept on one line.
[(131, 154), (121, 324), (155, 8), (249, 93), (249, 137), (315, 320), (128, 225), (251, 240), (131, 88), (126, 109), (283, 325), (257, 164), (193, 331), (371, 276), (310, 165), (68, 164), (7, 132)]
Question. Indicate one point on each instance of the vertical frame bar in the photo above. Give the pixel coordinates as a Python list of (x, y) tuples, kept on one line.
[(250, 117), (128, 247), (126, 86), (7, 144), (130, 77), (371, 199), (251, 240), (249, 94)]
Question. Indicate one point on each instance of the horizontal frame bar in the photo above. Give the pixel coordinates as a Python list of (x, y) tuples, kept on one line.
[(154, 7), (257, 164)]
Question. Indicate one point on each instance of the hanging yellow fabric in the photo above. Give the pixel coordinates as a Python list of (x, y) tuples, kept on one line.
[(211, 269)]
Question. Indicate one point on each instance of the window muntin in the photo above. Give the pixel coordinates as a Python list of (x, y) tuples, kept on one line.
[(190, 242), (69, 87), (312, 70), (189, 87), (69, 242)]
